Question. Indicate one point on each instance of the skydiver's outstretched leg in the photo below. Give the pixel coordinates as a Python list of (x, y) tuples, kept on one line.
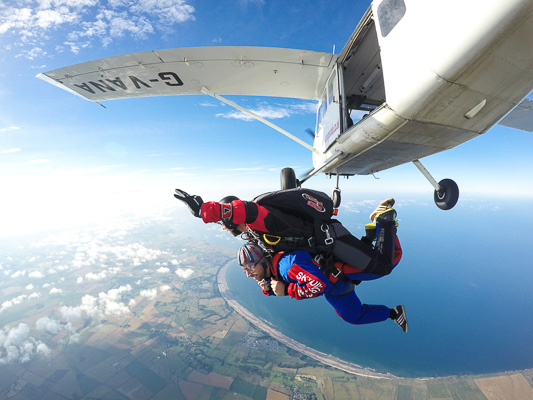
[(386, 234), (349, 308), (383, 261), (377, 260)]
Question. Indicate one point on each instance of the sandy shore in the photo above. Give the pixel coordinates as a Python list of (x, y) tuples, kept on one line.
[(293, 344)]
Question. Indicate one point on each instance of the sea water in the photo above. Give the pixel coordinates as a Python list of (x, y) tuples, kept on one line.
[(466, 281)]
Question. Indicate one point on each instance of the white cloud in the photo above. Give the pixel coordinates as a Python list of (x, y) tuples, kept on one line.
[(43, 349), (70, 313), (35, 274), (10, 128), (107, 303), (18, 273), (184, 272), (75, 338), (49, 325), (163, 270), (29, 287), (164, 288), (13, 302), (95, 277), (168, 11), (8, 151), (16, 345), (56, 291), (85, 21), (16, 336), (272, 112), (150, 294)]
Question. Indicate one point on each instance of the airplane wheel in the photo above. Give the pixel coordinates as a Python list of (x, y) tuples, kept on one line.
[(447, 197), (336, 197), (288, 179)]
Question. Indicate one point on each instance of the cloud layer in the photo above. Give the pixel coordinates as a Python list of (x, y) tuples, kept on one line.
[(83, 22), (16, 345)]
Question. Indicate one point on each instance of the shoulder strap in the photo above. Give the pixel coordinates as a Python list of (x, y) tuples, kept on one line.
[(274, 263)]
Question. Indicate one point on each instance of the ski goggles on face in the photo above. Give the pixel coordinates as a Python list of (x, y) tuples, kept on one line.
[(249, 266)]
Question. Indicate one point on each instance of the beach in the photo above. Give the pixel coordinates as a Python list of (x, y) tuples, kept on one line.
[(293, 344)]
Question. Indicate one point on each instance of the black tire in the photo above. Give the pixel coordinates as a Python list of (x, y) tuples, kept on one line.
[(336, 197), (288, 179), (447, 197)]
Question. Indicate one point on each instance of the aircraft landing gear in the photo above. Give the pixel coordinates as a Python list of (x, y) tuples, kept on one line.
[(288, 179), (446, 191), (447, 196), (336, 195)]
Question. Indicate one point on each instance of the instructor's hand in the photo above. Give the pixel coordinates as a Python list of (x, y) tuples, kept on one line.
[(193, 202), (278, 287)]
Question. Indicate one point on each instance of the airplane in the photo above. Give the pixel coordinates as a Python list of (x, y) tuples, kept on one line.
[(428, 76)]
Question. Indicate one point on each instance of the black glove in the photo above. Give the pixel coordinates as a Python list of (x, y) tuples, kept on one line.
[(193, 202)]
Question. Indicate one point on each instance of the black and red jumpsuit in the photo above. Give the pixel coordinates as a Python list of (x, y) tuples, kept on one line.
[(268, 220)]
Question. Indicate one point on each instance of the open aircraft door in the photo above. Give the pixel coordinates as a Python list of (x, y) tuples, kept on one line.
[(328, 116)]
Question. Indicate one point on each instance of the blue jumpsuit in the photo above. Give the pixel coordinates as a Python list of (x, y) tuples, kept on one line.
[(304, 279)]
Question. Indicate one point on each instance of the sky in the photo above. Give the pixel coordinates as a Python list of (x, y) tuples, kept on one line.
[(65, 161)]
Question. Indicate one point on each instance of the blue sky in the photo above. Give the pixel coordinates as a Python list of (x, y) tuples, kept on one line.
[(64, 160)]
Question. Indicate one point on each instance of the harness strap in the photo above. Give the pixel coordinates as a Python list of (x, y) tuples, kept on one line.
[(329, 269), (273, 243)]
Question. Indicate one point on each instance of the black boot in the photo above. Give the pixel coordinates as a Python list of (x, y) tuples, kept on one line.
[(386, 240)]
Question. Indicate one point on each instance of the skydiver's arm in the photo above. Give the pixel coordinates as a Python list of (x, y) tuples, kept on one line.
[(308, 286), (305, 280), (237, 211), (257, 217)]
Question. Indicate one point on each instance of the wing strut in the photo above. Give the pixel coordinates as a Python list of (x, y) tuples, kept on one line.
[(261, 119)]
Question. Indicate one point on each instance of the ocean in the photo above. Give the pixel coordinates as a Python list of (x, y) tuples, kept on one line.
[(465, 280)]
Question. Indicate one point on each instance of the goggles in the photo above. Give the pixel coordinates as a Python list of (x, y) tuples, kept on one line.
[(251, 266)]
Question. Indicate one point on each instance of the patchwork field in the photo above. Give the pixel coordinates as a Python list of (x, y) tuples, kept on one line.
[(188, 343)]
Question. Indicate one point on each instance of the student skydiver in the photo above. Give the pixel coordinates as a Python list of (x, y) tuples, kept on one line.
[(297, 275)]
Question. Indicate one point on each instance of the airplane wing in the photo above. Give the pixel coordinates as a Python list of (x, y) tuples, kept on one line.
[(521, 117), (256, 71)]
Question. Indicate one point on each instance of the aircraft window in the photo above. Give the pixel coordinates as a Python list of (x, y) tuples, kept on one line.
[(390, 12), (330, 90), (331, 94), (320, 114)]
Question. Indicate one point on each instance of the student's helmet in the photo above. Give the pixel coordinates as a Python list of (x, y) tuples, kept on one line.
[(250, 253), (228, 223)]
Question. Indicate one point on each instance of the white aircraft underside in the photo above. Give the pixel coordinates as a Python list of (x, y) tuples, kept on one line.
[(428, 75)]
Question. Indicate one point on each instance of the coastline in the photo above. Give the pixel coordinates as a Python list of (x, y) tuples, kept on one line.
[(293, 344)]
